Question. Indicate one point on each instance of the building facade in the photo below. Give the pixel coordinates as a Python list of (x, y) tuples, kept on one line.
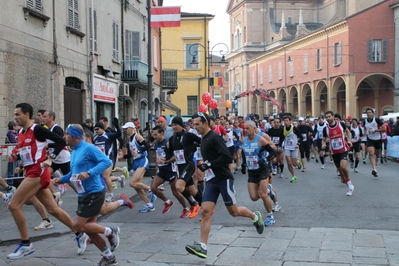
[(313, 55)]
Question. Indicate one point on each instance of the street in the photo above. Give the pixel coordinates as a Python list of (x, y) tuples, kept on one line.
[(317, 225)]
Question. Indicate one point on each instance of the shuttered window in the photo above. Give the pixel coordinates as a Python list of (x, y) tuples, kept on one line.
[(73, 14), (305, 63), (93, 37), (190, 52), (115, 41), (132, 45), (337, 54), (192, 103), (377, 50), (35, 5), (318, 62)]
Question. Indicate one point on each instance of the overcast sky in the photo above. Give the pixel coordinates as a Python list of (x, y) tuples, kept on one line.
[(218, 27)]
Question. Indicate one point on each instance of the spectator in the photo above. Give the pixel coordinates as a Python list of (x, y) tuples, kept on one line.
[(88, 125), (11, 137), (395, 131), (391, 123)]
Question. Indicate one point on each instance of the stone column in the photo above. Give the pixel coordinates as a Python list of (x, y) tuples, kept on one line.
[(395, 7)]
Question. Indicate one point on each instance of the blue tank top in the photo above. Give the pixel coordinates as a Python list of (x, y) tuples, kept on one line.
[(251, 151)]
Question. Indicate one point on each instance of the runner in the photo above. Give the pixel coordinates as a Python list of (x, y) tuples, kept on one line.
[(357, 136), (31, 150), (277, 136), (306, 132), (87, 164), (335, 131), (292, 140), (219, 181), (237, 146), (318, 129)]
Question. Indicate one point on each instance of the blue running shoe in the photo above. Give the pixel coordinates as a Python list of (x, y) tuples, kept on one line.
[(21, 251), (147, 208), (269, 221), (153, 197)]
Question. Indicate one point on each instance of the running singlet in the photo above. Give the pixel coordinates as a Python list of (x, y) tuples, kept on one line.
[(338, 144), (251, 151), (161, 151), (373, 125), (230, 137), (291, 139), (134, 146), (30, 149), (357, 130), (319, 131)]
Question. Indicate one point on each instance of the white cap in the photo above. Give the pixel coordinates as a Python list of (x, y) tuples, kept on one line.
[(128, 124), (301, 119)]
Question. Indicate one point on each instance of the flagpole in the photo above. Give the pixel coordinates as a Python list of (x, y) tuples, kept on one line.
[(149, 74)]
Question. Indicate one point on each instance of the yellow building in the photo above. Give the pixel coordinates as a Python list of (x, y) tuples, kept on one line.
[(185, 48)]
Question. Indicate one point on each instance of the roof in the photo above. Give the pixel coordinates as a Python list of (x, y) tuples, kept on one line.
[(190, 15)]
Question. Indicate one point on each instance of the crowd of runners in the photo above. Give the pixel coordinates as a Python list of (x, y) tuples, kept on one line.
[(198, 159)]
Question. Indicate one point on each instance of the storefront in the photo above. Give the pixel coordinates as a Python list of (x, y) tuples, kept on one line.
[(105, 97)]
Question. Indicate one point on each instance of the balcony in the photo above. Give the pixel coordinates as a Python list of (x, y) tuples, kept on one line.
[(134, 72), (169, 79)]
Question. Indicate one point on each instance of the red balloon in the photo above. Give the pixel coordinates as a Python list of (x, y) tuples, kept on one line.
[(206, 97), (213, 104), (202, 108)]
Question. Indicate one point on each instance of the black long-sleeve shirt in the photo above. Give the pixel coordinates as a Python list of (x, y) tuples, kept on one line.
[(183, 141), (215, 151)]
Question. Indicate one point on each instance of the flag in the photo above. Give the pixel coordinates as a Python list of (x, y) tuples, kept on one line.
[(218, 81), (165, 16)]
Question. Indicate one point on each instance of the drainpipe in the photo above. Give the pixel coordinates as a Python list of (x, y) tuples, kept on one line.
[(91, 62), (55, 60)]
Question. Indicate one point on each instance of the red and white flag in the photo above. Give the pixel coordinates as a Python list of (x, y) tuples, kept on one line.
[(165, 16)]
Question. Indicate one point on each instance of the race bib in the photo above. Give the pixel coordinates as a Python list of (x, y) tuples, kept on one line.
[(77, 184), (101, 148), (179, 156), (26, 155), (290, 142), (174, 168), (198, 154), (320, 135), (356, 138), (252, 162), (305, 136), (337, 144), (384, 135), (160, 153), (209, 174), (276, 140)]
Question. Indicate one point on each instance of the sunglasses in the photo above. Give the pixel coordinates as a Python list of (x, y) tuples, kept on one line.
[(200, 114), (96, 129)]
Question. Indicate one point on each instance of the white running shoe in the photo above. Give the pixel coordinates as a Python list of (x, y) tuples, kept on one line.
[(21, 251), (44, 225), (338, 173), (121, 181), (276, 207), (323, 167), (356, 171), (81, 241), (351, 188), (109, 198), (7, 197), (57, 198)]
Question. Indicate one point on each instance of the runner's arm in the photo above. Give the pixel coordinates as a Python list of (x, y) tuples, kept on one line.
[(42, 134)]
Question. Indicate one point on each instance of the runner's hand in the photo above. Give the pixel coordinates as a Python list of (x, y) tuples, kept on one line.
[(47, 163)]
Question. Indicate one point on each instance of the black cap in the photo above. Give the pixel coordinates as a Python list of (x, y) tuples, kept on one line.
[(99, 124), (178, 121), (212, 118), (322, 117)]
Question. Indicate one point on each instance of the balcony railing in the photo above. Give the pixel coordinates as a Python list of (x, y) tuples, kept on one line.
[(134, 70), (169, 78)]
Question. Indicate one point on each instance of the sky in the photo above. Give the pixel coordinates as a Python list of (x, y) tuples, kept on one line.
[(219, 28)]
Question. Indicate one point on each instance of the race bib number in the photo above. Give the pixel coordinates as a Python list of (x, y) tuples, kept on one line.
[(209, 174), (179, 156), (337, 144), (174, 168), (252, 162), (384, 135), (320, 135), (305, 136), (26, 155), (101, 148), (276, 140), (160, 156), (77, 184), (198, 154), (290, 142)]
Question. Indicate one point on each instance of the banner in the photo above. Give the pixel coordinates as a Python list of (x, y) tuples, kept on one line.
[(166, 16), (393, 147)]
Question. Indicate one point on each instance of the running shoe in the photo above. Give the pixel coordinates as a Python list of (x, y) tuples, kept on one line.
[(81, 241), (385, 159), (113, 238), (57, 198), (7, 197), (312, 157), (108, 261), (21, 251), (364, 161), (114, 185), (351, 188), (44, 225), (299, 164), (153, 197), (185, 213), (235, 171), (276, 207), (167, 207), (374, 173), (11, 189), (351, 165), (125, 172), (317, 160), (258, 223), (274, 170), (62, 188), (109, 198), (356, 171), (269, 221), (294, 179), (126, 201), (304, 169), (196, 249), (331, 160), (281, 175), (147, 208), (121, 181), (338, 173), (194, 211), (382, 160), (323, 166)]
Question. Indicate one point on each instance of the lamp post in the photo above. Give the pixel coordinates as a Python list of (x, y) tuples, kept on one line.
[(208, 59)]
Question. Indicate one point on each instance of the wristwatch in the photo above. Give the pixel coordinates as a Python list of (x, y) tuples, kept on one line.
[(88, 172), (53, 156)]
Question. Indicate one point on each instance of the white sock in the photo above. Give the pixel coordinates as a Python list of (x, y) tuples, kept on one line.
[(204, 246), (167, 202), (270, 214), (120, 202), (107, 231), (149, 204), (106, 253)]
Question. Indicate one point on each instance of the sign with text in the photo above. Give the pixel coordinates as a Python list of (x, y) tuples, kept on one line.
[(104, 90), (393, 147)]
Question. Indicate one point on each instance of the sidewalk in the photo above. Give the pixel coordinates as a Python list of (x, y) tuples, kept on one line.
[(9, 232)]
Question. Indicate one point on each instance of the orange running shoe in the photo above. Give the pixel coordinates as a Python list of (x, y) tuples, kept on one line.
[(126, 201), (194, 211)]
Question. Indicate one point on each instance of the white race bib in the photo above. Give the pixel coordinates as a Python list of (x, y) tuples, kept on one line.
[(337, 144), (101, 148), (179, 156), (276, 140), (26, 155), (198, 155), (209, 174), (77, 184), (305, 136), (252, 162)]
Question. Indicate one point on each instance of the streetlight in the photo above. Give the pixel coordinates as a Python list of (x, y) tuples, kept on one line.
[(208, 59)]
